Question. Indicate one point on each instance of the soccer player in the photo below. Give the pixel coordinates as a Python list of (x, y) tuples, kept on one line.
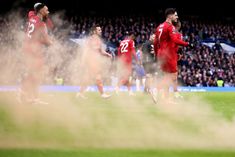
[(149, 61), (164, 43), (176, 49), (36, 39), (46, 19), (94, 61), (126, 50), (139, 69)]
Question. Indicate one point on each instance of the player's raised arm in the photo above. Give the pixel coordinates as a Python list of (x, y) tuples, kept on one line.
[(42, 12), (174, 38), (45, 38)]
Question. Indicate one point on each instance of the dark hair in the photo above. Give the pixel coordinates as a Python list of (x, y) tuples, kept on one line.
[(38, 7), (169, 11), (93, 28)]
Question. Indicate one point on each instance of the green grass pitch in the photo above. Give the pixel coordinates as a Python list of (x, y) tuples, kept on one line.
[(200, 125)]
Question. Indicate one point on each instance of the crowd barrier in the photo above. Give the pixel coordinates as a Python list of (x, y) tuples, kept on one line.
[(63, 88)]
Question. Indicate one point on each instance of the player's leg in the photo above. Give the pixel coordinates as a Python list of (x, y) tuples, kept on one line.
[(25, 91), (174, 79), (140, 75), (137, 83), (172, 68), (121, 75), (81, 92), (165, 83), (148, 83), (122, 80), (128, 85), (28, 91), (163, 79), (155, 82), (83, 83), (175, 85), (38, 76), (128, 78), (126, 81), (148, 77), (98, 69), (100, 86)]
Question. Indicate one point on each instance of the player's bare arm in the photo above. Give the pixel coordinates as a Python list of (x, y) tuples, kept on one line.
[(175, 39)]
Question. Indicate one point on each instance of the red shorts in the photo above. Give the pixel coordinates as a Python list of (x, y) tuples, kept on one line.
[(168, 65)]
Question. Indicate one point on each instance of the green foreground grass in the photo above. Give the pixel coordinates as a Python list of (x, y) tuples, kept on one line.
[(122, 126), (221, 102), (113, 153)]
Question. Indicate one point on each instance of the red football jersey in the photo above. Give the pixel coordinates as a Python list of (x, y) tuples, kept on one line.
[(126, 50), (165, 40), (176, 47), (166, 46), (36, 32), (180, 37), (36, 35)]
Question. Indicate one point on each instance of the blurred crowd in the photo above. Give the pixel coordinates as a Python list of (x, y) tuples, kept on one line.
[(114, 28), (199, 65)]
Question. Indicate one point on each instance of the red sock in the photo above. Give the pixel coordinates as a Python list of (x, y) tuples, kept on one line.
[(100, 86)]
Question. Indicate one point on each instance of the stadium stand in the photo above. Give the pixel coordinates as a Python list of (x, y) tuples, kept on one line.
[(201, 64), (210, 57)]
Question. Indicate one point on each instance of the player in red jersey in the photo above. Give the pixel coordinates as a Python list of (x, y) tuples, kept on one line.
[(164, 46), (46, 19), (36, 39), (94, 61), (176, 49), (125, 52)]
